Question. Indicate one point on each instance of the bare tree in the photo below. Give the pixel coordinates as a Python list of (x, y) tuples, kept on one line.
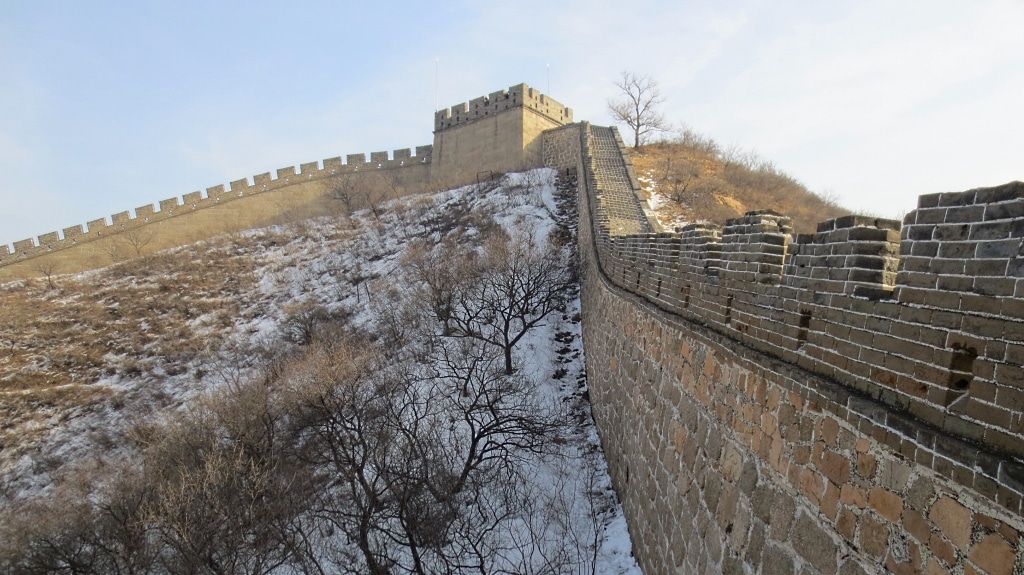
[(500, 295), (349, 190), (47, 267), (115, 248), (359, 190), (139, 238), (679, 177), (120, 246), (637, 106)]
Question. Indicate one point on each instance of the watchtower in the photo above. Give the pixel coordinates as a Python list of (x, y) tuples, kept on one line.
[(496, 133)]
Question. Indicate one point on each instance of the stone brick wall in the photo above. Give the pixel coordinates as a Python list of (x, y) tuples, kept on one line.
[(778, 406), (488, 135), (292, 194), (493, 134), (562, 147), (518, 96)]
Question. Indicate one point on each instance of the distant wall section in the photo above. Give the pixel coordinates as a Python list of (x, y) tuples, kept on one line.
[(289, 194), (486, 136)]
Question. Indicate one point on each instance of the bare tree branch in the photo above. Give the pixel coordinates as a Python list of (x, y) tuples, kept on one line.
[(637, 106)]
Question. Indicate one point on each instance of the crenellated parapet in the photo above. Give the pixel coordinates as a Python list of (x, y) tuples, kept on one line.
[(213, 196), (841, 402), (753, 248), (519, 96), (855, 255), (968, 247), (926, 319)]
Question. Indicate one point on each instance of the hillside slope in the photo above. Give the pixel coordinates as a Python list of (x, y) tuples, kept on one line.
[(693, 179), (96, 368)]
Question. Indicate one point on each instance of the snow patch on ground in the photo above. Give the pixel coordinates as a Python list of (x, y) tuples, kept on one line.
[(348, 263), (659, 204)]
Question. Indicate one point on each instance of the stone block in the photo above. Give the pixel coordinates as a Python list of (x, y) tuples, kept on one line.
[(834, 466), (957, 198), (814, 544), (781, 516), (928, 201), (990, 231), (954, 520), (1004, 210), (776, 561), (942, 548), (916, 524), (874, 535), (962, 214), (929, 216), (886, 503), (994, 555)]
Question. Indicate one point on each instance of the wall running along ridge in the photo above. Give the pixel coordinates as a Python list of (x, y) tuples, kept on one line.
[(847, 401), (292, 194), (477, 140)]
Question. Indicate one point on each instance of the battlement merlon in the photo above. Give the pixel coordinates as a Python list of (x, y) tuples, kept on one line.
[(195, 200), (519, 96)]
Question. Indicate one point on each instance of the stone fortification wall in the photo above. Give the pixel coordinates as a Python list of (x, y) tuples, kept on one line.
[(841, 402), (493, 134), (290, 194), (519, 96), (486, 136), (562, 147)]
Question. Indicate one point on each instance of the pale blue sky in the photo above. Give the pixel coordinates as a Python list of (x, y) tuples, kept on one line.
[(107, 106)]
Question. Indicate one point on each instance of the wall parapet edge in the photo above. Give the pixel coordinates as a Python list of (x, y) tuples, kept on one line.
[(215, 195), (732, 454), (518, 96), (936, 342)]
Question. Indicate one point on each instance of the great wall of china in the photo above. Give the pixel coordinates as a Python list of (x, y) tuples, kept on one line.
[(292, 194), (495, 133), (842, 402), (845, 402)]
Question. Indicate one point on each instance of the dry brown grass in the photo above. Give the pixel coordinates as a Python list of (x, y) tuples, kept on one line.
[(703, 183), (94, 325), (59, 345), (62, 347)]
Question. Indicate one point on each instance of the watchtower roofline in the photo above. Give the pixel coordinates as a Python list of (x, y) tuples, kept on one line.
[(518, 96)]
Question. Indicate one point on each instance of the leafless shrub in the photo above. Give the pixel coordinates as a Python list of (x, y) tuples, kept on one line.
[(306, 322), (688, 138), (138, 238), (359, 190), (497, 296), (47, 268)]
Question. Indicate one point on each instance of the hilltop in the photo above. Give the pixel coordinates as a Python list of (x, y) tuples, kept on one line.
[(693, 179)]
